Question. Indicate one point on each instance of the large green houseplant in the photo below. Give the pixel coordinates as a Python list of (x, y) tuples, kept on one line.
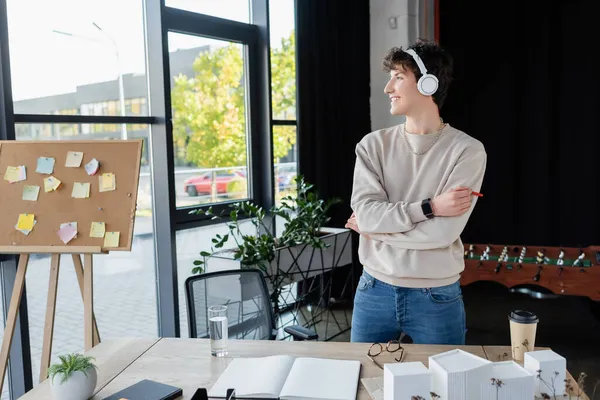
[(304, 215)]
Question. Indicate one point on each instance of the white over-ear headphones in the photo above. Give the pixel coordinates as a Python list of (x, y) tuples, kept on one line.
[(428, 83)]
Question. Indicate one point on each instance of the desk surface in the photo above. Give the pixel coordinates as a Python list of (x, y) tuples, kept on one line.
[(187, 363)]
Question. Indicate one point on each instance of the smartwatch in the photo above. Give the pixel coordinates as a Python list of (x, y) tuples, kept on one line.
[(427, 208)]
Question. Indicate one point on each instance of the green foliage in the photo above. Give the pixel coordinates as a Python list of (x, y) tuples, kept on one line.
[(209, 115), (283, 79), (70, 363), (304, 214)]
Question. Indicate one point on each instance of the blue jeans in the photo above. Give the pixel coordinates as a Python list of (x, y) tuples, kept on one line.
[(429, 316)]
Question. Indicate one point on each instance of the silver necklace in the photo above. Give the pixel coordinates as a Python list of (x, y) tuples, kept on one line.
[(439, 132)]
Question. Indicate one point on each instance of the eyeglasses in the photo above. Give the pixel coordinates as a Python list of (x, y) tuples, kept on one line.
[(392, 346)]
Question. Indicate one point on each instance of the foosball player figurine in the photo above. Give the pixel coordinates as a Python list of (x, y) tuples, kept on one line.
[(540, 257), (485, 255), (504, 254), (522, 256), (469, 253), (560, 260), (579, 260)]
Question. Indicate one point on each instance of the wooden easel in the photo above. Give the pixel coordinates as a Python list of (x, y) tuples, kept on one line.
[(84, 274), (115, 207)]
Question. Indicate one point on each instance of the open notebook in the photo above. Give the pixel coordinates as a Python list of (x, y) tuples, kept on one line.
[(287, 377)]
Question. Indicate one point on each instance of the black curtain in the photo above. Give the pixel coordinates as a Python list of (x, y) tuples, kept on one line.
[(526, 85), (333, 94)]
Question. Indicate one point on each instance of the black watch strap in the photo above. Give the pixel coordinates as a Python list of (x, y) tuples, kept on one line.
[(427, 208)]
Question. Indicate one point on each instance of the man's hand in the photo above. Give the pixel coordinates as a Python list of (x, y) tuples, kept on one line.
[(352, 224), (453, 203)]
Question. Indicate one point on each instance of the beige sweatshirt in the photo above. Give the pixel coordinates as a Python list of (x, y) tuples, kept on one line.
[(405, 248)]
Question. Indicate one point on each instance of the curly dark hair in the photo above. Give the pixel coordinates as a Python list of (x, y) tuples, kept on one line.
[(436, 60)]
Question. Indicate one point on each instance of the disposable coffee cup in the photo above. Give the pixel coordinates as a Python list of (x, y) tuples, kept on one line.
[(523, 326)]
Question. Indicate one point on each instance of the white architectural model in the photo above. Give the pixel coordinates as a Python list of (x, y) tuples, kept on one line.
[(405, 380), (510, 381), (549, 369), (458, 375)]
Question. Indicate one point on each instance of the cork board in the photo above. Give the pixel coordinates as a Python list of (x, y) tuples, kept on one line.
[(115, 208)]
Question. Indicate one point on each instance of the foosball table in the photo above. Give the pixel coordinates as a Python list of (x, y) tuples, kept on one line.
[(562, 270)]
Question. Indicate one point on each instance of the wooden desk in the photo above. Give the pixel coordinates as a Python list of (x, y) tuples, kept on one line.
[(187, 363)]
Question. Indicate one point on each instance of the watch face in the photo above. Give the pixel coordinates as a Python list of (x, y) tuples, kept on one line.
[(427, 210)]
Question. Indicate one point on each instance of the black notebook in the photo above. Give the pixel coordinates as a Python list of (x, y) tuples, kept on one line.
[(147, 390)]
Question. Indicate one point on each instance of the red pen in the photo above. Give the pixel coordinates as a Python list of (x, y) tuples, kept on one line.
[(477, 194)]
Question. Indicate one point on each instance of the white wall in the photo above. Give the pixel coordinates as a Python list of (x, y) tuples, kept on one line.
[(414, 19)]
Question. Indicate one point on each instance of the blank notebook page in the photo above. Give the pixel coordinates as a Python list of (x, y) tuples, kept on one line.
[(262, 376), (319, 378)]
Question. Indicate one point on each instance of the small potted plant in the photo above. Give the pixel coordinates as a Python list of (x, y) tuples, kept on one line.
[(73, 378)]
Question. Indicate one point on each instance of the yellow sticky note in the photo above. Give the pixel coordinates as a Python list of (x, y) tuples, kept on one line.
[(12, 174), (81, 190), (107, 182), (31, 193), (74, 159), (25, 222), (111, 239), (51, 183), (97, 230)]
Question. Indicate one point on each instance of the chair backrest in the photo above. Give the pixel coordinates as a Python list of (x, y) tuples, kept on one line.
[(243, 291)]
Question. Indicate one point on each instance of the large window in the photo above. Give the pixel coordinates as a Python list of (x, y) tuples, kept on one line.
[(69, 54), (210, 134), (283, 94), (283, 59), (78, 72), (97, 70)]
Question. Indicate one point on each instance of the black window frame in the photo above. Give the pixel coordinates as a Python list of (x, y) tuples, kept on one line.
[(256, 45)]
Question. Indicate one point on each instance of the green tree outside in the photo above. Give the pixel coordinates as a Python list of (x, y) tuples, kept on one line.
[(209, 122)]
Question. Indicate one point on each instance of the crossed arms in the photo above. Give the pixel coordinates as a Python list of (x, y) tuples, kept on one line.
[(403, 224)]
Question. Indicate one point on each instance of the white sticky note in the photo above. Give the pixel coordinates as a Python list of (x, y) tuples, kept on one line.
[(31, 193), (81, 190), (74, 159)]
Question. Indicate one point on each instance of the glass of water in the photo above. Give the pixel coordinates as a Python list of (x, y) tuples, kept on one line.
[(218, 330)]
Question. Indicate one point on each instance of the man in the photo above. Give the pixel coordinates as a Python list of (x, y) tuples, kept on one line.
[(415, 186)]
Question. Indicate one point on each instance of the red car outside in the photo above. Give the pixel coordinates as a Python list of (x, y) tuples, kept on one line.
[(202, 184)]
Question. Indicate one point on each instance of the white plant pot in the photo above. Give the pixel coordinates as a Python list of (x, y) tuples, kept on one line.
[(77, 387), (309, 262)]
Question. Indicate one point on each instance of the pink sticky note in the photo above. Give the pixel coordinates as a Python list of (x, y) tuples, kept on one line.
[(67, 233)]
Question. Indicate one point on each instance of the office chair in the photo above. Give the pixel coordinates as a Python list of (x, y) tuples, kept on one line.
[(249, 311)]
